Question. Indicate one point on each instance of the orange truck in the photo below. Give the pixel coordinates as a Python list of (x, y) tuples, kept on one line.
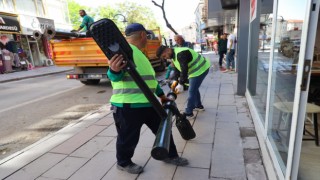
[(89, 62)]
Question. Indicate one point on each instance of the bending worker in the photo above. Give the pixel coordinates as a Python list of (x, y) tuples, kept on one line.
[(191, 65), (86, 21), (131, 109)]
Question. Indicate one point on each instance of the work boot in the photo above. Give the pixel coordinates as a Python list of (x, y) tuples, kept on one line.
[(178, 161), (131, 168)]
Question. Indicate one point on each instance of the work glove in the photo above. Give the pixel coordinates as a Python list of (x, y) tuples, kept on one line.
[(179, 88)]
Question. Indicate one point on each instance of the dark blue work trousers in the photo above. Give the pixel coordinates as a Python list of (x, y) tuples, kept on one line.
[(128, 122)]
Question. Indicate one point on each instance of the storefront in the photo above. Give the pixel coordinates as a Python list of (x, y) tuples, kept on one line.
[(37, 49), (9, 28), (284, 45)]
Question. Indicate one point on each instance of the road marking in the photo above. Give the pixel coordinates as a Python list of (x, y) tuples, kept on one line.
[(35, 100)]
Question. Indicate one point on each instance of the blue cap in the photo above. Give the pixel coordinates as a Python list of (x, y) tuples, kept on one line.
[(134, 27)]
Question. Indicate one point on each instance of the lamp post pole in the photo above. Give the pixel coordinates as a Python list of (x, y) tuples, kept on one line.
[(124, 18)]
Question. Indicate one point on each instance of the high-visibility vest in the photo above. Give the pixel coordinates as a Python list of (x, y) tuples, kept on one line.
[(196, 67), (126, 90)]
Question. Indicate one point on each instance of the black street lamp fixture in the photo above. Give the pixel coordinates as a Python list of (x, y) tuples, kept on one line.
[(124, 18)]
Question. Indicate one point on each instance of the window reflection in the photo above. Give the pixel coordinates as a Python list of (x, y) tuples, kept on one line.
[(26, 7), (40, 8), (259, 91), (289, 23), (6, 5)]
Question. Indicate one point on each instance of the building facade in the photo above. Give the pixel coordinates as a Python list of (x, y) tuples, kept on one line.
[(21, 18)]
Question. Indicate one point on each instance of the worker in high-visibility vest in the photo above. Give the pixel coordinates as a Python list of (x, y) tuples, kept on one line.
[(131, 109), (193, 69)]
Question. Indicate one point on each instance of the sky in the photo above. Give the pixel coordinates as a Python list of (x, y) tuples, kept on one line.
[(180, 13)]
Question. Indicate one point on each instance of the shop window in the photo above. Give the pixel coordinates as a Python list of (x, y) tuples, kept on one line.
[(6, 6), (58, 10), (40, 8), (285, 60), (259, 62), (27, 7), (2, 7), (10, 5)]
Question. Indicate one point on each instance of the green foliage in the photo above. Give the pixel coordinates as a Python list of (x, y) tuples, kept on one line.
[(74, 8), (133, 12), (137, 13)]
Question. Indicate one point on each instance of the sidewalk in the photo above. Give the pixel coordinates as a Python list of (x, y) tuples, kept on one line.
[(225, 147), (39, 71)]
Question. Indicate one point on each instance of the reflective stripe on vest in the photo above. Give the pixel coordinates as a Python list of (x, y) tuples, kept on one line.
[(126, 90), (196, 67), (145, 77)]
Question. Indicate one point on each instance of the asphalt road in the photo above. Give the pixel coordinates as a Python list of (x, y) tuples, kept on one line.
[(31, 109)]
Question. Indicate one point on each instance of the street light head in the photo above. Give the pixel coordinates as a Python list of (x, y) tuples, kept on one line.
[(124, 18)]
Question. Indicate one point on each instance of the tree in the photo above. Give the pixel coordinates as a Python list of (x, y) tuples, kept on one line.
[(74, 8), (164, 16), (137, 13)]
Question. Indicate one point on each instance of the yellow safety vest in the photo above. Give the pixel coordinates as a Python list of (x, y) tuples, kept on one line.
[(196, 67), (126, 90)]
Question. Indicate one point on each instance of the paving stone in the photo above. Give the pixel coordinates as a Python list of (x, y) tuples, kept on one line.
[(65, 168), (210, 102), (78, 140), (157, 170), (38, 167), (115, 174), (197, 154), (226, 100), (96, 167), (44, 178), (227, 154), (212, 92), (110, 131), (111, 146), (204, 126), (187, 173), (244, 116), (250, 143), (227, 114), (245, 120), (106, 121), (252, 156), (226, 89), (256, 171), (141, 157), (35, 150), (92, 147)]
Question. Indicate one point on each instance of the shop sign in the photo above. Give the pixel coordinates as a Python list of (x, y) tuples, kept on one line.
[(253, 10), (30, 23), (9, 23)]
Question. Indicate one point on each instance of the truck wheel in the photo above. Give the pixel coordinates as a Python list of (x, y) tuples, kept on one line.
[(90, 81)]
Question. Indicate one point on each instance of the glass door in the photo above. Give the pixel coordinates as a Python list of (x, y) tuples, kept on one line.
[(290, 36)]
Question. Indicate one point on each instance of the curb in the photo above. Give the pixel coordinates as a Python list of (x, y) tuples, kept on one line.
[(33, 76)]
